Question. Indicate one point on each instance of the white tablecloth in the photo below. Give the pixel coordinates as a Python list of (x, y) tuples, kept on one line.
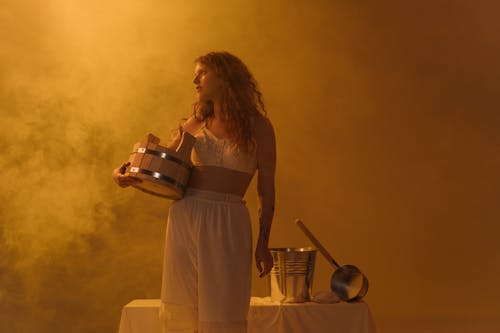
[(265, 316)]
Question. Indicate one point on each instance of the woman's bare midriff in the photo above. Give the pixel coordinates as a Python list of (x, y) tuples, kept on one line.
[(219, 179)]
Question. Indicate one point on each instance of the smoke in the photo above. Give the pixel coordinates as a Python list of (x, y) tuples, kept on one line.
[(386, 126), (75, 96)]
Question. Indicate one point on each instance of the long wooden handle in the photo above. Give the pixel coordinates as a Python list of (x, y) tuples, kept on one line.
[(320, 247)]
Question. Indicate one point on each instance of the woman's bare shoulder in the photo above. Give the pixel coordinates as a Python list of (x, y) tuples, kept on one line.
[(191, 125)]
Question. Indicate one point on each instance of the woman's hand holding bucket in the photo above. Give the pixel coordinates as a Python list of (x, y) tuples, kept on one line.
[(122, 178)]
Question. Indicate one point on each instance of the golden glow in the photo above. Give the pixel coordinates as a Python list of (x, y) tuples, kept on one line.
[(387, 133)]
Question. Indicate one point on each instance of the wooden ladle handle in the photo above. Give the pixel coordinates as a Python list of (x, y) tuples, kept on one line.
[(316, 243)]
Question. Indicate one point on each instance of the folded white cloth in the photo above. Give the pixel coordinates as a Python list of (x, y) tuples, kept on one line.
[(325, 297), (267, 300)]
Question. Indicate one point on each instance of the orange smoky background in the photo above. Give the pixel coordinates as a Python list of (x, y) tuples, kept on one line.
[(387, 122)]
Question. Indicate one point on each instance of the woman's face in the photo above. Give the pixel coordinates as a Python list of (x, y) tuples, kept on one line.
[(208, 84)]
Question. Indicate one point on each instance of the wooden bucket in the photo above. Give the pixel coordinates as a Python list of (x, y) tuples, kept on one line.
[(164, 172)]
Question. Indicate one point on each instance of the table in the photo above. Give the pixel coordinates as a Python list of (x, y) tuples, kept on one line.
[(266, 316)]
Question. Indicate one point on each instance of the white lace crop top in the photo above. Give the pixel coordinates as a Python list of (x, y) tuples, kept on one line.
[(213, 151)]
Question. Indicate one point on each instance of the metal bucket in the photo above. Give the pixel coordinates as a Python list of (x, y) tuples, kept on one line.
[(292, 274)]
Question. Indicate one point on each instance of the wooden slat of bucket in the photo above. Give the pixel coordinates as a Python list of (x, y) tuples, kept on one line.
[(135, 159)]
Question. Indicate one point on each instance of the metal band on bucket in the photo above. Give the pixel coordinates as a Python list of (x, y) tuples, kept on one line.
[(158, 176), (165, 156)]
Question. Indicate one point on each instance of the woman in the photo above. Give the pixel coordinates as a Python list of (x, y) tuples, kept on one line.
[(207, 263)]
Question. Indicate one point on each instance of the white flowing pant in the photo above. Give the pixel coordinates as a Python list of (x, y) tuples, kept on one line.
[(207, 264)]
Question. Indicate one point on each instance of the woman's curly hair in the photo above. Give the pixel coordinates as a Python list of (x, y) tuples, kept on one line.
[(241, 98)]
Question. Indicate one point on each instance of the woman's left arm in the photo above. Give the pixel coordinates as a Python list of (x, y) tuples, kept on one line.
[(266, 165)]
